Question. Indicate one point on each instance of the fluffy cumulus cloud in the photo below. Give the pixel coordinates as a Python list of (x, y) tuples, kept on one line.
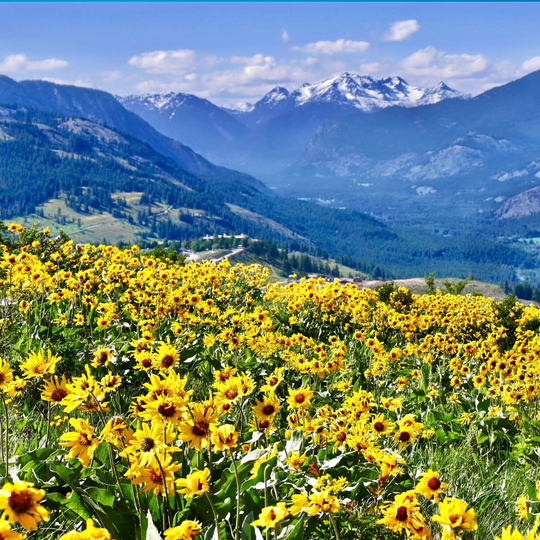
[(19, 63), (430, 61), (164, 61), (255, 60), (171, 61), (333, 47), (533, 64), (401, 30), (240, 77), (469, 73), (248, 78)]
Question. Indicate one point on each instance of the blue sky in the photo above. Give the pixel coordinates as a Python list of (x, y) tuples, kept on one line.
[(232, 52)]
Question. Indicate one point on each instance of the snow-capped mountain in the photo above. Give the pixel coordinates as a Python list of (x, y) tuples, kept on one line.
[(348, 91), (194, 121), (369, 95), (241, 107), (276, 129)]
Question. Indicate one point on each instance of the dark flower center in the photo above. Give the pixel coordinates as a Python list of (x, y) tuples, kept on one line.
[(147, 444), (200, 429), (268, 409), (156, 477), (58, 395), (167, 410), (434, 484), (401, 514), (167, 361), (84, 440), (20, 501), (378, 426), (231, 393), (404, 436)]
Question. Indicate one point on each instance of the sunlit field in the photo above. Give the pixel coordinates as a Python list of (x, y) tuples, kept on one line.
[(144, 399)]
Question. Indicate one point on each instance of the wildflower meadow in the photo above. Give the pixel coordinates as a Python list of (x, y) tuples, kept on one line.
[(145, 399)]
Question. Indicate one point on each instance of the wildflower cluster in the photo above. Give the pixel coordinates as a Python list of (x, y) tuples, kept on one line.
[(206, 402)]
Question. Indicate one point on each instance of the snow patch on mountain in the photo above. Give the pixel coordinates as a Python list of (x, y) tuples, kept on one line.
[(241, 107), (369, 95), (359, 92), (162, 101)]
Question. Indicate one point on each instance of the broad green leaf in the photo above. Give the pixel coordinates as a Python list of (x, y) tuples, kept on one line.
[(248, 532)]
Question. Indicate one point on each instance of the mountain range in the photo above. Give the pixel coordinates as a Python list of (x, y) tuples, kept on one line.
[(216, 131), (408, 155), (422, 171), (99, 106)]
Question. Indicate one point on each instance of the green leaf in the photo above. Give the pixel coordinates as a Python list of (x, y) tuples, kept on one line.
[(102, 496), (248, 532), (74, 503), (212, 533), (440, 436), (294, 531)]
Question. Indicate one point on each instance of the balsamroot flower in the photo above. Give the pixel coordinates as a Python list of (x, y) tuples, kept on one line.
[(19, 501), (430, 485), (37, 366), (454, 516), (224, 438), (7, 534), (271, 516), (195, 483), (186, 530), (82, 441), (404, 515)]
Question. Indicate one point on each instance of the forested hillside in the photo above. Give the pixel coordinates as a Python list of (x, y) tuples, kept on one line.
[(96, 170)]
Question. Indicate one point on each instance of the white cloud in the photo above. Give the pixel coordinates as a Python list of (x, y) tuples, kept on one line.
[(245, 79), (430, 61), (532, 64), (310, 61), (255, 60), (164, 61), (468, 73), (110, 76), (402, 30), (85, 83), (333, 47), (18, 63), (248, 78), (285, 36), (172, 61)]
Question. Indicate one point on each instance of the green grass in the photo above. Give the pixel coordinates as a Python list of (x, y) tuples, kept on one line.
[(487, 478)]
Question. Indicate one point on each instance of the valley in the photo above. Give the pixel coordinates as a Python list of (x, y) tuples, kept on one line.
[(448, 192)]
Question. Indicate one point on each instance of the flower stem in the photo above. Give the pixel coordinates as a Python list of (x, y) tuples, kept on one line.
[(48, 423), (334, 525), (6, 450), (216, 520), (238, 486)]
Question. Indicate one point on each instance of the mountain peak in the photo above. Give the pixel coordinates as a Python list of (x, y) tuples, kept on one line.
[(276, 94), (370, 95)]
